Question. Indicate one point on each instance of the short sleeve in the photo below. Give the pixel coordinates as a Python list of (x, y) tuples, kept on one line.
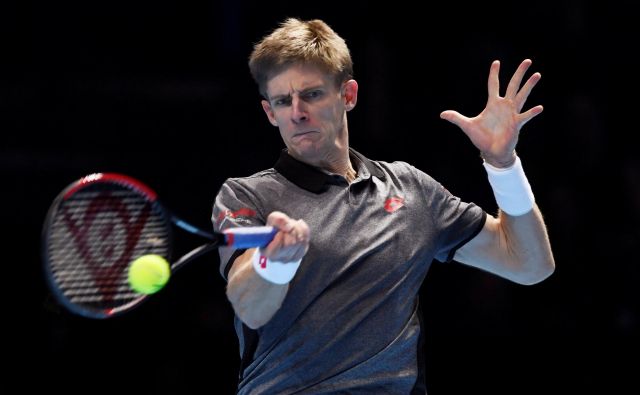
[(454, 221), (458, 222), (234, 206)]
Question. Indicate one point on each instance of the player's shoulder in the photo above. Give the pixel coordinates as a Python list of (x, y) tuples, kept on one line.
[(403, 170), (397, 167), (267, 173), (255, 178)]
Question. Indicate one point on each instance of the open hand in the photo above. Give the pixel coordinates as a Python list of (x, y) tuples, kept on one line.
[(495, 130)]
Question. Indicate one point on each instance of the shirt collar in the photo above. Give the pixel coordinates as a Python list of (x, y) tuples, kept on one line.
[(315, 180)]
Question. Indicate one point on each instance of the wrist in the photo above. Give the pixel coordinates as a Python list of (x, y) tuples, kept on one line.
[(275, 272), (500, 163), (511, 188)]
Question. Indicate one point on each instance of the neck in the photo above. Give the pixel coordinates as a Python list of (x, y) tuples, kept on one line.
[(339, 164), (333, 164), (351, 174)]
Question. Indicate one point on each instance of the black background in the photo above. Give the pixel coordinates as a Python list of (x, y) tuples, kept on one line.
[(160, 90)]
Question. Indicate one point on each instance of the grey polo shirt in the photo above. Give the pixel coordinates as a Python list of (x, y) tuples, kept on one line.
[(350, 319)]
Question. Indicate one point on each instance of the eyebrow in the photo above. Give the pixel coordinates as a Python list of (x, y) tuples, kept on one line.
[(303, 91)]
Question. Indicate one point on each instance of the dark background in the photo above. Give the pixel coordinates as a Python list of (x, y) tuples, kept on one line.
[(160, 90)]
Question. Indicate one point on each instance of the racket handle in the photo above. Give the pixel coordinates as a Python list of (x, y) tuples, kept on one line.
[(250, 236)]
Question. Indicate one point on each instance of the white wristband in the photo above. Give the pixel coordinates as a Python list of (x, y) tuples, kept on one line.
[(511, 188), (274, 271)]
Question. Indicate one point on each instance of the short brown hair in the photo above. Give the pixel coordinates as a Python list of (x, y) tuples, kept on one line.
[(300, 42)]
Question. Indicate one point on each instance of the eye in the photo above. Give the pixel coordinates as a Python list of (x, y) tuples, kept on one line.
[(314, 94), (282, 102)]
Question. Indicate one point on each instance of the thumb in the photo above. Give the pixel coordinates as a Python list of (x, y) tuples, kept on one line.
[(454, 117)]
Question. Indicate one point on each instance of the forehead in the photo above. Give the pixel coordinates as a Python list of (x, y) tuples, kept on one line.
[(297, 78)]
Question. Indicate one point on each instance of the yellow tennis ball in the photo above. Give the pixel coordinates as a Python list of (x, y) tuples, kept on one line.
[(149, 273)]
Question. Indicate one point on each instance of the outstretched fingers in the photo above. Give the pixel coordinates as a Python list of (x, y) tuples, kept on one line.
[(529, 115), (455, 118), (523, 95), (493, 84), (516, 79)]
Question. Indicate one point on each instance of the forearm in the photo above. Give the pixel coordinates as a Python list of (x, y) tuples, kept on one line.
[(254, 299), (521, 228), (515, 245), (526, 246)]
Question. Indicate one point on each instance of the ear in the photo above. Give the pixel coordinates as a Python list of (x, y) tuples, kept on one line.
[(269, 111), (350, 94)]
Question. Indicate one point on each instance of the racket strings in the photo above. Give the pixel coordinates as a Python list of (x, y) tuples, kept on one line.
[(94, 236)]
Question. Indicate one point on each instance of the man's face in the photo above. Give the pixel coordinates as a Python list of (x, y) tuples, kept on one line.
[(310, 111)]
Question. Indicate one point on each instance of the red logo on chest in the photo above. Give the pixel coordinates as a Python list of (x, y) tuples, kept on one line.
[(393, 204)]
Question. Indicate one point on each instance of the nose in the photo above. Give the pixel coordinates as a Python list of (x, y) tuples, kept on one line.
[(298, 110)]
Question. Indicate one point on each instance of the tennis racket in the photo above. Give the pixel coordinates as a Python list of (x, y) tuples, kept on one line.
[(102, 222)]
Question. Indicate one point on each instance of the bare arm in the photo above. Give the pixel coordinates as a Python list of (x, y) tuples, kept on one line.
[(254, 299), (514, 247)]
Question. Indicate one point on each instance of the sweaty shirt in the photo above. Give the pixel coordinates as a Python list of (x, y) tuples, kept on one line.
[(350, 321)]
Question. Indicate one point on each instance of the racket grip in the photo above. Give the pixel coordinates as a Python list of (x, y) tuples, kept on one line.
[(250, 236)]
